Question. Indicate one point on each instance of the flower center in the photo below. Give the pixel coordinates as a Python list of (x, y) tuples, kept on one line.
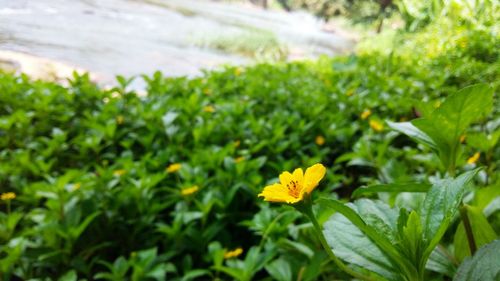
[(293, 189)]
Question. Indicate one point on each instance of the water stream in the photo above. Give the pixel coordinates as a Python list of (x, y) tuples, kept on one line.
[(131, 37)]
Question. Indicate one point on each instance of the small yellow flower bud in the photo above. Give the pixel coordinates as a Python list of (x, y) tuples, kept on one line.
[(377, 126), (189, 190), (119, 173), (209, 109), (320, 140), (365, 114), (172, 168), (8, 196), (234, 253), (473, 159)]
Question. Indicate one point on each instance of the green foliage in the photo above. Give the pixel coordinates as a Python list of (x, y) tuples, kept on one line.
[(484, 265), (393, 242), (95, 199), (442, 128)]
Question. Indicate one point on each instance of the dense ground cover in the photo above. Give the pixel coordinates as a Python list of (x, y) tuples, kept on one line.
[(111, 185)]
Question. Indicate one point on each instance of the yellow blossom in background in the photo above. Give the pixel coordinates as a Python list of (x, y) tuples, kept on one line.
[(119, 173), (239, 159), (76, 186), (366, 114), (119, 119), (8, 196), (237, 71), (234, 253), (209, 109), (189, 190), (237, 143), (172, 168), (473, 159), (376, 125), (293, 186), (462, 138), (320, 140)]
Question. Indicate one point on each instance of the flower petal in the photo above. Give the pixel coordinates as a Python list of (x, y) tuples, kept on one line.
[(285, 178), (277, 193), (298, 176), (312, 177)]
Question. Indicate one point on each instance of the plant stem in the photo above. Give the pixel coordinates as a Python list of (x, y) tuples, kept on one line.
[(468, 229), (307, 210)]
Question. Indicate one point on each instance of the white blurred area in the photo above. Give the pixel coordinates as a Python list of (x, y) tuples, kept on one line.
[(132, 37)]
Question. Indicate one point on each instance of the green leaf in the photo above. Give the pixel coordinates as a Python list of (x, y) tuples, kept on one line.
[(360, 242), (392, 187), (440, 205), (411, 238), (413, 132), (194, 273), (69, 276), (280, 270), (439, 261), (482, 232), (447, 123), (484, 265)]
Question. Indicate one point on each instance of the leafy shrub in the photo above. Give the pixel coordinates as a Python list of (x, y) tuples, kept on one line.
[(112, 185)]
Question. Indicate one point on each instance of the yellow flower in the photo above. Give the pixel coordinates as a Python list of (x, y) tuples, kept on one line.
[(239, 159), (76, 186), (119, 173), (209, 109), (237, 71), (234, 253), (473, 159), (237, 143), (172, 168), (320, 140), (119, 119), (189, 190), (292, 187), (8, 196), (365, 114), (376, 125)]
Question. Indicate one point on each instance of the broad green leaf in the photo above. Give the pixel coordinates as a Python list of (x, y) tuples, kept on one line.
[(280, 270), (482, 232), (411, 238), (447, 123), (361, 242), (392, 187), (299, 247), (440, 205), (413, 132), (483, 266), (440, 261), (195, 273), (69, 276), (482, 141)]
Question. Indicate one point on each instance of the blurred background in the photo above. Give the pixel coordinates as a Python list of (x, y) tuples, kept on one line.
[(177, 37)]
